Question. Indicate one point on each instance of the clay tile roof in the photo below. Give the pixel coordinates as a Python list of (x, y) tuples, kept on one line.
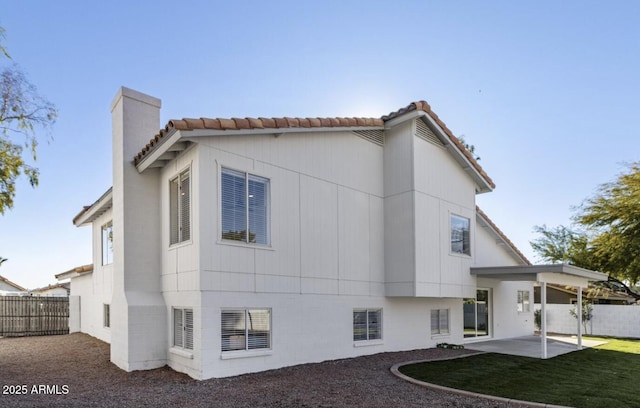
[(227, 124), (504, 237), (242, 123), (288, 122)]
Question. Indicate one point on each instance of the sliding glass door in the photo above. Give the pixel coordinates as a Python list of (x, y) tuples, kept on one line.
[(477, 319)]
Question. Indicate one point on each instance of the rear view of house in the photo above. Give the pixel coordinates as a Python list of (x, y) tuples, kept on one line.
[(228, 246)]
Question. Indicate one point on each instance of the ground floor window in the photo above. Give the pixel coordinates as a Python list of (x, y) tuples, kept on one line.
[(440, 321), (183, 328), (106, 315), (367, 324), (524, 306), (246, 329)]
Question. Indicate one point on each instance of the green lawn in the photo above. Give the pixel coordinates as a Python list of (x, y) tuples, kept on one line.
[(604, 376)]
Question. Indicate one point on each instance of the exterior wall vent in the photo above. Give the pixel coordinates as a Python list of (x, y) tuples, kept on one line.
[(375, 136), (423, 132)]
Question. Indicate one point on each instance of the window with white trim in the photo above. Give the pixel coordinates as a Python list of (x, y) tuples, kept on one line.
[(460, 235), (367, 324), (106, 315), (440, 321), (246, 329), (107, 243), (524, 306), (183, 328), (180, 208), (244, 207)]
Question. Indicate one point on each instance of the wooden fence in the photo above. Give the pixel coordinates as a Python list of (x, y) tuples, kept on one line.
[(33, 316)]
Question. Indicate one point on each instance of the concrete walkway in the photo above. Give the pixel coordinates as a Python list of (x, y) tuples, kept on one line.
[(530, 346)]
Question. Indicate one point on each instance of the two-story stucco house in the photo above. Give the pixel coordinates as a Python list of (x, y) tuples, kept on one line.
[(228, 246)]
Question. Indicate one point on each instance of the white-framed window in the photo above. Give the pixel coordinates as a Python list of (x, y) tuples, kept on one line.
[(180, 208), (107, 243), (440, 321), (367, 324), (106, 315), (460, 235), (244, 207), (524, 306), (246, 329), (183, 328)]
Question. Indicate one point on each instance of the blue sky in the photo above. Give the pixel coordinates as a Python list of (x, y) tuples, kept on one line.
[(547, 91)]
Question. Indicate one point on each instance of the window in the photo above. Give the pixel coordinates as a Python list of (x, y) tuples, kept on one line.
[(107, 243), (460, 242), (106, 315), (440, 321), (179, 208), (245, 207), (246, 329), (523, 301), (183, 328), (367, 324)]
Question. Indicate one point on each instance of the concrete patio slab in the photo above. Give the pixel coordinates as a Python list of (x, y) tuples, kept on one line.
[(531, 346)]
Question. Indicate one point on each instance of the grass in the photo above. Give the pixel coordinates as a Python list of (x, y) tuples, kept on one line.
[(604, 376)]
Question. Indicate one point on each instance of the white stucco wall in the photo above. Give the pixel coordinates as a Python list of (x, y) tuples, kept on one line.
[(607, 320), (507, 321), (312, 328)]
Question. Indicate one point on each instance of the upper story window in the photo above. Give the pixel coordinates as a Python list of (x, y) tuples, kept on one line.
[(107, 243), (244, 207), (460, 235), (180, 208)]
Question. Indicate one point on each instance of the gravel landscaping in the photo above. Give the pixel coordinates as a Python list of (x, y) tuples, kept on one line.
[(74, 370)]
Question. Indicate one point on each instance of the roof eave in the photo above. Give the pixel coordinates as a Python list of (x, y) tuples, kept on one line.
[(178, 140), (88, 215)]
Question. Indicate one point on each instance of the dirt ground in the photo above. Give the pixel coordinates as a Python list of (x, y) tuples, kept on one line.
[(74, 370)]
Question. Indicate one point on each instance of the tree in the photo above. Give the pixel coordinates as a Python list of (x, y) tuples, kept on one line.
[(563, 245), (608, 239), (612, 216), (587, 313), (22, 111)]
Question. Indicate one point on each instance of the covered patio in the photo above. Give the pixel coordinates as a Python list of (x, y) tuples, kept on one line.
[(560, 274)]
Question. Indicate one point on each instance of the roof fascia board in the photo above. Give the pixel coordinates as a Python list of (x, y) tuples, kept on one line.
[(159, 150), (96, 209), (541, 272), (274, 131)]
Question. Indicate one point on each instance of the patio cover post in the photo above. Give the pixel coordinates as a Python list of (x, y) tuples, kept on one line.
[(543, 318), (579, 316)]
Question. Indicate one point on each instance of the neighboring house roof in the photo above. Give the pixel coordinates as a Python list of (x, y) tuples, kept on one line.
[(66, 286), (15, 285), (502, 236), (412, 110), (593, 292), (75, 272)]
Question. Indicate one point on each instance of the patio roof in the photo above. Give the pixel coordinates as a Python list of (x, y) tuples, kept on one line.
[(561, 274)]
